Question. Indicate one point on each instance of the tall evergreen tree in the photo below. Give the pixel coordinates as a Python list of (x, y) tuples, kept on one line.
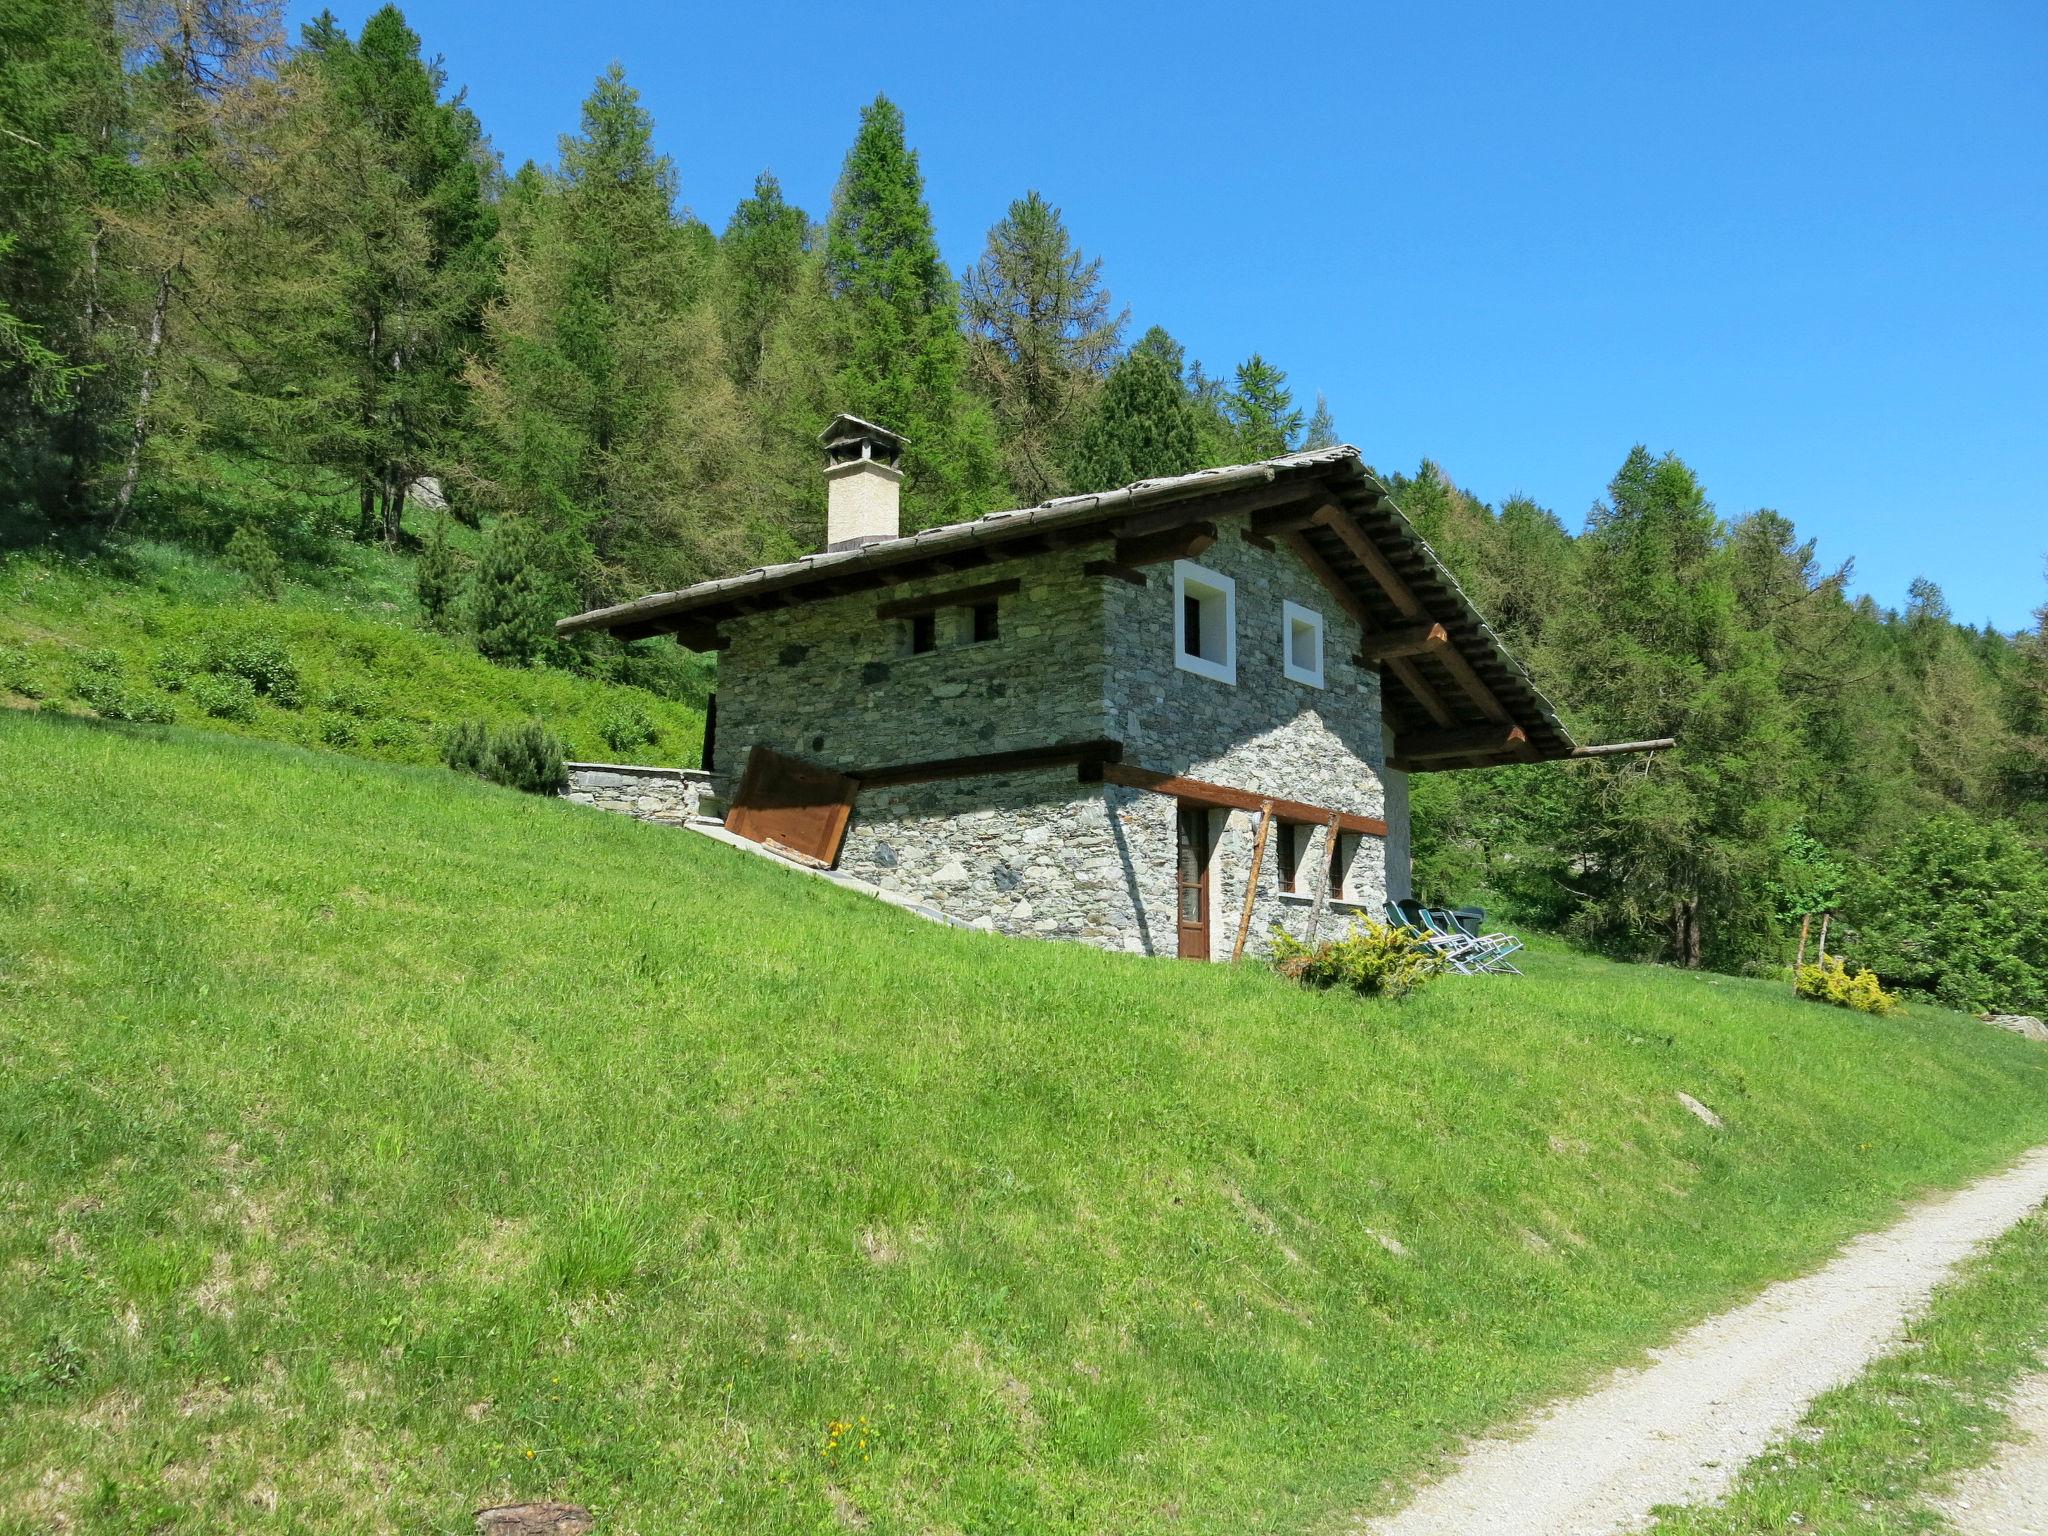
[(1322, 426), (611, 419), (1042, 333), (903, 358), (1262, 410), (1142, 426)]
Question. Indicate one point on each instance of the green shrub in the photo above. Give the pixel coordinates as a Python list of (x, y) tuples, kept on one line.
[(438, 578), (1831, 982), (512, 605), (223, 695), (350, 698), (251, 552), (264, 664), (527, 757), (466, 746), (1374, 959), (149, 708), (625, 726), (394, 733), (337, 730), (20, 674), (171, 670)]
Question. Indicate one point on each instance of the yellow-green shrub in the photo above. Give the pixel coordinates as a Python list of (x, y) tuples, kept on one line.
[(1831, 982), (1374, 959)]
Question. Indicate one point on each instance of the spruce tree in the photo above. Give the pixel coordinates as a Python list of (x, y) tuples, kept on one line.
[(1262, 410), (762, 260), (1142, 426), (1042, 333), (903, 359), (513, 600), (1322, 426)]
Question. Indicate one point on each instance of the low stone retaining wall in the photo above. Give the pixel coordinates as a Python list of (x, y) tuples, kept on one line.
[(667, 795)]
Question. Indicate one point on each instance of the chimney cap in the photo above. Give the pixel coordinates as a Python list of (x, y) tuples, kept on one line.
[(846, 429)]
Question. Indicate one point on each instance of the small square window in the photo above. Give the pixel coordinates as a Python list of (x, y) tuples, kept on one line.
[(1301, 640), (986, 625), (924, 633), (1204, 622)]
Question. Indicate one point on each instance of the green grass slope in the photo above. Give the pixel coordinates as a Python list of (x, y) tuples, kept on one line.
[(128, 629), (376, 1144)]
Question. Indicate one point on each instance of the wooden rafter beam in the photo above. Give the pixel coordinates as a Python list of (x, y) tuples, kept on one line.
[(700, 637), (1411, 640), (1469, 741), (1338, 588), (955, 597), (1410, 677), (1621, 748), (1182, 543), (1208, 508), (1113, 571), (1399, 593), (1489, 703)]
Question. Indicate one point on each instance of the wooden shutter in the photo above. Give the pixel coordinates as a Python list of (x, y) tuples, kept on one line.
[(793, 805)]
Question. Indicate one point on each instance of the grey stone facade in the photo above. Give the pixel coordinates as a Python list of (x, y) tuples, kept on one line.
[(667, 795), (1077, 658)]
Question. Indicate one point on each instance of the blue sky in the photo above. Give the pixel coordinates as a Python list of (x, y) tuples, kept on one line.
[(1804, 246)]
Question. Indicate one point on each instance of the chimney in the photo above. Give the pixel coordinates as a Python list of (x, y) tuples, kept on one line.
[(863, 483)]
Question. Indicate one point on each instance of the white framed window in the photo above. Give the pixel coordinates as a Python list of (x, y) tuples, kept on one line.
[(1301, 644), (1204, 622)]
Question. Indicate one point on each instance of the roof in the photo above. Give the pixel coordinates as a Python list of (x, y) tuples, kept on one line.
[(1454, 694)]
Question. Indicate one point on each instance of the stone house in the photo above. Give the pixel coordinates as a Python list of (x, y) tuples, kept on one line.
[(1104, 717)]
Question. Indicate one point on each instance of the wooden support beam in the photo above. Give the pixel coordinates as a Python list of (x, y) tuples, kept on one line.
[(1410, 677), (1413, 640), (1292, 518), (1021, 760), (1197, 792), (700, 637), (955, 597), (1399, 593), (1182, 543), (1257, 540), (1620, 748), (1338, 588), (1454, 662), (1251, 882), (1470, 741), (1113, 571)]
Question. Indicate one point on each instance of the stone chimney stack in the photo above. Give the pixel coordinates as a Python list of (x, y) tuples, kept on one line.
[(863, 483)]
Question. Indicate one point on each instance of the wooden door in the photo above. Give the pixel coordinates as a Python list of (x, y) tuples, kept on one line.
[(1192, 847), (793, 806)]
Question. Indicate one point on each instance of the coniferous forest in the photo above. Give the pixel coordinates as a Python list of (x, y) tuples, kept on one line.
[(256, 291)]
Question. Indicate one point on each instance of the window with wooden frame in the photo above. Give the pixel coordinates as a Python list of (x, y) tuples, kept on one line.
[(1204, 622), (1343, 849), (1293, 838)]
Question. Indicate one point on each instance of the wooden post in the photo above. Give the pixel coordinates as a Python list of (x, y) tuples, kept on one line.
[(1824, 936), (1251, 884), (1315, 917), (1805, 922)]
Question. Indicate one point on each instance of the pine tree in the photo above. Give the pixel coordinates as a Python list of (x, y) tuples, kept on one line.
[(1042, 334), (904, 360), (437, 577), (1262, 410), (513, 600), (1322, 426), (1143, 426), (762, 262)]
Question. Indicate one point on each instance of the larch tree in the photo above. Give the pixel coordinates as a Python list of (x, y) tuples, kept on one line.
[(1042, 333), (1262, 412), (903, 359), (1322, 426)]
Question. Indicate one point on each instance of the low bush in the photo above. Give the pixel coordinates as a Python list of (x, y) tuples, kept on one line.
[(174, 667), (20, 674), (1832, 982), (527, 756), (350, 698), (625, 726), (251, 552), (264, 664), (223, 695), (1374, 959), (338, 731)]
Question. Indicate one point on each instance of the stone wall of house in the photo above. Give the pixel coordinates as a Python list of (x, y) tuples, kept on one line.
[(667, 795), (832, 683)]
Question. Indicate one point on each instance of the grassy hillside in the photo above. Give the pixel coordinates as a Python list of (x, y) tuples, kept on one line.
[(150, 629), (377, 1144)]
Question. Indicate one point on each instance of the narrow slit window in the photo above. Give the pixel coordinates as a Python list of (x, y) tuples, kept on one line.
[(1294, 838), (1343, 849), (924, 633), (987, 624)]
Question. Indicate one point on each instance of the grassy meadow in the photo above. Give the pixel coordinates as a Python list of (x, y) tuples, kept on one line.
[(376, 1144)]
